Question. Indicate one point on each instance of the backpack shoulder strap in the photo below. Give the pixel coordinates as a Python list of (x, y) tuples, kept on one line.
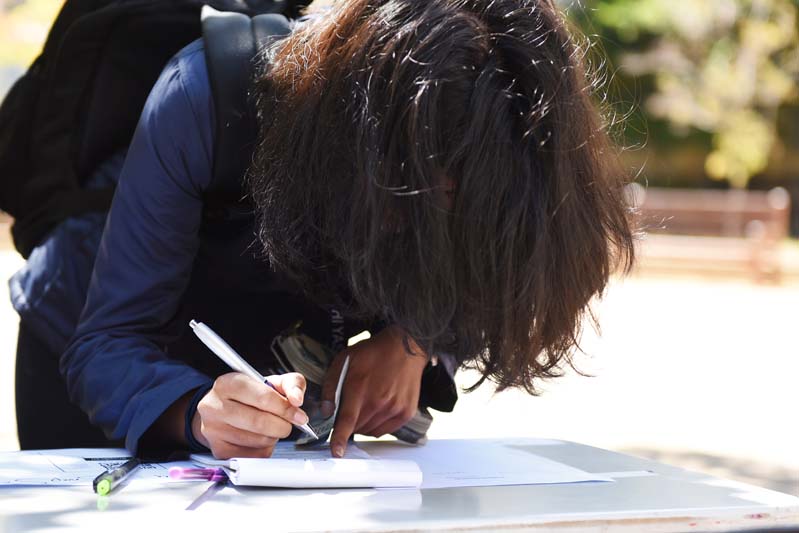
[(232, 41)]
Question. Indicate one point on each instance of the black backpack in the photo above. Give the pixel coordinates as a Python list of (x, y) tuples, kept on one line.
[(80, 101)]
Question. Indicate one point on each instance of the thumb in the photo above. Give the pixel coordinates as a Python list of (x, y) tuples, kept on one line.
[(291, 385)]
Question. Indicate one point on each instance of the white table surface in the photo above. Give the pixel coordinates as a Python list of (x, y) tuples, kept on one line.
[(646, 496)]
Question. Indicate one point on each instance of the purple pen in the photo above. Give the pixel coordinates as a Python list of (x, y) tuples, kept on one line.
[(202, 474)]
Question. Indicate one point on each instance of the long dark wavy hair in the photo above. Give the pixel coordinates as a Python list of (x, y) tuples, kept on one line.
[(442, 165)]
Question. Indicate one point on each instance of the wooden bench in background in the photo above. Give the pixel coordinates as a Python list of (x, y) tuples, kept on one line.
[(714, 230), (698, 229)]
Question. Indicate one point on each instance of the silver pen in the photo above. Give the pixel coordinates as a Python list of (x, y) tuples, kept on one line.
[(235, 361)]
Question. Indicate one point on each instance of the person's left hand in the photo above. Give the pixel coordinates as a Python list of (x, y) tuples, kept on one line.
[(381, 390)]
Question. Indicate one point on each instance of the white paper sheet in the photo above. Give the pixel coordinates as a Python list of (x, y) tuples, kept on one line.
[(75, 466), (298, 467), (479, 463), (443, 463), (287, 450)]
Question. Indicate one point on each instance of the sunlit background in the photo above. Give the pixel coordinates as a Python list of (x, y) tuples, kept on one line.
[(697, 363)]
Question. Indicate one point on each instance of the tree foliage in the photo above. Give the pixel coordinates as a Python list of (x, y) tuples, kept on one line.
[(724, 67)]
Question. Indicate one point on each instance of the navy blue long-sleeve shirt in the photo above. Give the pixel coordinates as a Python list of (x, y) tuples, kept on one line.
[(162, 262), (116, 366)]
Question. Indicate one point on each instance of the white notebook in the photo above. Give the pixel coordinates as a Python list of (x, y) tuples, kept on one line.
[(292, 467)]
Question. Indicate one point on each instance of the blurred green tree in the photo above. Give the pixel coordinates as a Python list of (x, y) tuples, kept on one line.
[(710, 73), (722, 67)]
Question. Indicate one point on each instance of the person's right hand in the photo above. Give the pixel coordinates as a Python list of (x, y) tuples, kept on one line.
[(240, 417)]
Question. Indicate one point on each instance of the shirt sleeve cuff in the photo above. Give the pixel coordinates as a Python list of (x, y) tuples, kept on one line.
[(155, 403), (194, 444)]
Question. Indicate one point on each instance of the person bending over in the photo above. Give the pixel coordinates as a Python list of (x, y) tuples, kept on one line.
[(435, 171)]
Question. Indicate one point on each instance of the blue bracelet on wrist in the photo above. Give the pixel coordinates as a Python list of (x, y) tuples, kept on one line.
[(194, 444)]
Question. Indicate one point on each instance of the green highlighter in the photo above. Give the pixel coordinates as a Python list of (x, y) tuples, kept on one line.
[(107, 481)]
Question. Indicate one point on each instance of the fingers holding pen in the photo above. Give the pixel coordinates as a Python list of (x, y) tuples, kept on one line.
[(291, 385), (229, 441), (250, 420), (242, 416), (222, 449), (242, 389)]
